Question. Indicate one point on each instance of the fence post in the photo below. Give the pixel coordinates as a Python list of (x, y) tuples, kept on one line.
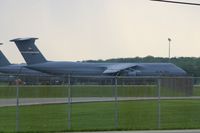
[(116, 103), (69, 102), (17, 104), (159, 109)]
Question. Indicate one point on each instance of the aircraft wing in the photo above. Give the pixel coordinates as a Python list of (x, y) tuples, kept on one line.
[(119, 67)]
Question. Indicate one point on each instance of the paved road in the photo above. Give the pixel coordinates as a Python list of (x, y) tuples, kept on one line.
[(36, 101), (166, 131)]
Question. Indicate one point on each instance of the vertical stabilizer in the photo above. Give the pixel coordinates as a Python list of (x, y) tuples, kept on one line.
[(3, 60), (29, 51)]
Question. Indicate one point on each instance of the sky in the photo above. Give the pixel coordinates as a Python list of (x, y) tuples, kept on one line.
[(75, 30)]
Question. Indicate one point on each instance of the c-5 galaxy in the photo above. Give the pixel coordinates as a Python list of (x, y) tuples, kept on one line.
[(16, 69), (9, 72), (37, 61)]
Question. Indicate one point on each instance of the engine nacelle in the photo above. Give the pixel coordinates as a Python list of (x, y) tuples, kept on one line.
[(130, 73)]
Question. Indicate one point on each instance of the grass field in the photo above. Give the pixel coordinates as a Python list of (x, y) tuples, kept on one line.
[(77, 91), (47, 91), (133, 115)]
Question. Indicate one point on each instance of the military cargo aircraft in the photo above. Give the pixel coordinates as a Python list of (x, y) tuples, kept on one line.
[(16, 69), (38, 62), (9, 72)]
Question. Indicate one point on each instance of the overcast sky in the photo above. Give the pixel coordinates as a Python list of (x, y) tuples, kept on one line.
[(75, 30)]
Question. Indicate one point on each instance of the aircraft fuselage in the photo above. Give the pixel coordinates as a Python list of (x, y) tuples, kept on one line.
[(98, 69)]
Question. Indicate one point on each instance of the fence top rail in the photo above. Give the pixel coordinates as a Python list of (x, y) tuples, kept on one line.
[(102, 76), (133, 77)]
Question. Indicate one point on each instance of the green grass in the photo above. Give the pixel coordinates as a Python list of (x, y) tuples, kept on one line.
[(133, 115), (196, 90), (44, 91), (47, 91)]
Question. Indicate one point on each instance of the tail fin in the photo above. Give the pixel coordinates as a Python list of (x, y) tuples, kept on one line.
[(3, 60), (29, 51)]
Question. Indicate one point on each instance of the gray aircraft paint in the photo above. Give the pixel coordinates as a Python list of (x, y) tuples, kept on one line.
[(37, 61)]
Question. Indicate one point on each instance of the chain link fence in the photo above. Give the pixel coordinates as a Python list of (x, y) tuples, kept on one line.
[(78, 103)]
